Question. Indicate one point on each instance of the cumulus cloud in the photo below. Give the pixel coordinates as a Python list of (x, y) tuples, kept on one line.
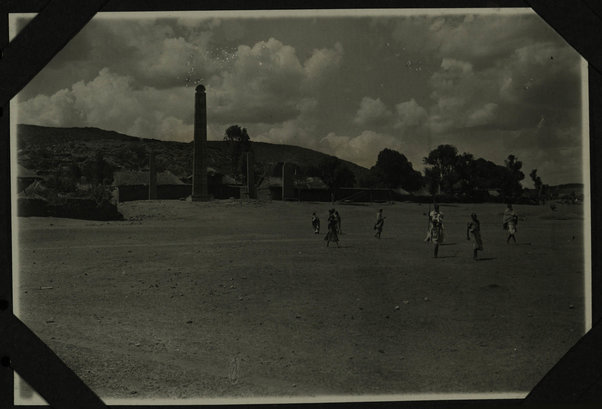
[(541, 73), (346, 88), (176, 61), (262, 83), (410, 115), (110, 101), (364, 148), (372, 113), (322, 63), (266, 82), (401, 127), (481, 39), (482, 116), (157, 53), (299, 131), (290, 132), (55, 110), (534, 80), (492, 72)]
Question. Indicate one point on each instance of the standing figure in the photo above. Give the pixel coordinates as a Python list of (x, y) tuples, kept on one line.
[(315, 223), (510, 222), (474, 229), (435, 214), (436, 231), (338, 216), (332, 234), (380, 221)]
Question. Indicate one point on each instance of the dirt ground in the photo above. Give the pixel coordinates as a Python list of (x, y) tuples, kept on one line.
[(241, 299)]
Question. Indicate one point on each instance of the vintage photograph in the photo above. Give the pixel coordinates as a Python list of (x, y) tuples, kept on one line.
[(180, 181)]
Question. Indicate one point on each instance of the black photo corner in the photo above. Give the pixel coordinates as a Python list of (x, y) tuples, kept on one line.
[(575, 380)]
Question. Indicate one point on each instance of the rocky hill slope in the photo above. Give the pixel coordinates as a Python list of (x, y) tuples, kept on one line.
[(43, 149)]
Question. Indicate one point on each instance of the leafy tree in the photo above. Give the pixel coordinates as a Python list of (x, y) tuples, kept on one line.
[(541, 188), (511, 187), (514, 165), (464, 175), (486, 174), (432, 178), (335, 173), (536, 183), (344, 176), (235, 133), (536, 179), (443, 161), (394, 170), (240, 143), (370, 179)]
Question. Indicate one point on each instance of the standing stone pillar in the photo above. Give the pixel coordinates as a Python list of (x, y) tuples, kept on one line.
[(288, 182), (284, 181), (199, 157), (251, 176), (152, 177)]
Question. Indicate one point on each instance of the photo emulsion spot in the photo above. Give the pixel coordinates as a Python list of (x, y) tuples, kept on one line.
[(180, 184)]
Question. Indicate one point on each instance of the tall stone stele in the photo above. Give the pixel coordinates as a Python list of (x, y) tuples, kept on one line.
[(199, 157)]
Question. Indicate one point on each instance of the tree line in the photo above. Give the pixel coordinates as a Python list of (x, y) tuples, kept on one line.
[(447, 172)]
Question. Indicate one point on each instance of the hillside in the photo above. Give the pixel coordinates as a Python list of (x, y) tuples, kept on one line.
[(43, 149)]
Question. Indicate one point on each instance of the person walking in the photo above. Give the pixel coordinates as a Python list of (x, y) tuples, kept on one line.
[(332, 234), (380, 221), (434, 214), (473, 230), (436, 231), (315, 223), (338, 216), (510, 223)]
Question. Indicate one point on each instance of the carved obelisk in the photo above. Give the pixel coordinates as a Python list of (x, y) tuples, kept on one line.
[(199, 158)]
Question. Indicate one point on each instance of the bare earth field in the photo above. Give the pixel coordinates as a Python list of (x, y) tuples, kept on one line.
[(234, 299)]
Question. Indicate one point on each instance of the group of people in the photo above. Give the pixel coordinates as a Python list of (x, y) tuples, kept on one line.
[(334, 226), (473, 229), (435, 231)]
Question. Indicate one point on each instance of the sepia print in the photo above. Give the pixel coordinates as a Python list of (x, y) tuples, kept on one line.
[(182, 181)]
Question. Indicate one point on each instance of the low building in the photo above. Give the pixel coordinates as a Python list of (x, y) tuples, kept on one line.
[(134, 185), (25, 177), (313, 189), (219, 185)]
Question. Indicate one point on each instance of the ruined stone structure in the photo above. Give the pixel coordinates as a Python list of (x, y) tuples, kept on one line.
[(199, 166)]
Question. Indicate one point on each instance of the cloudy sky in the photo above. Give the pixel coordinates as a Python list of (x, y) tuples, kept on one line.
[(490, 83)]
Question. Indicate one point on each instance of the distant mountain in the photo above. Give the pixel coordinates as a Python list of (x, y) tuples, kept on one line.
[(43, 149)]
